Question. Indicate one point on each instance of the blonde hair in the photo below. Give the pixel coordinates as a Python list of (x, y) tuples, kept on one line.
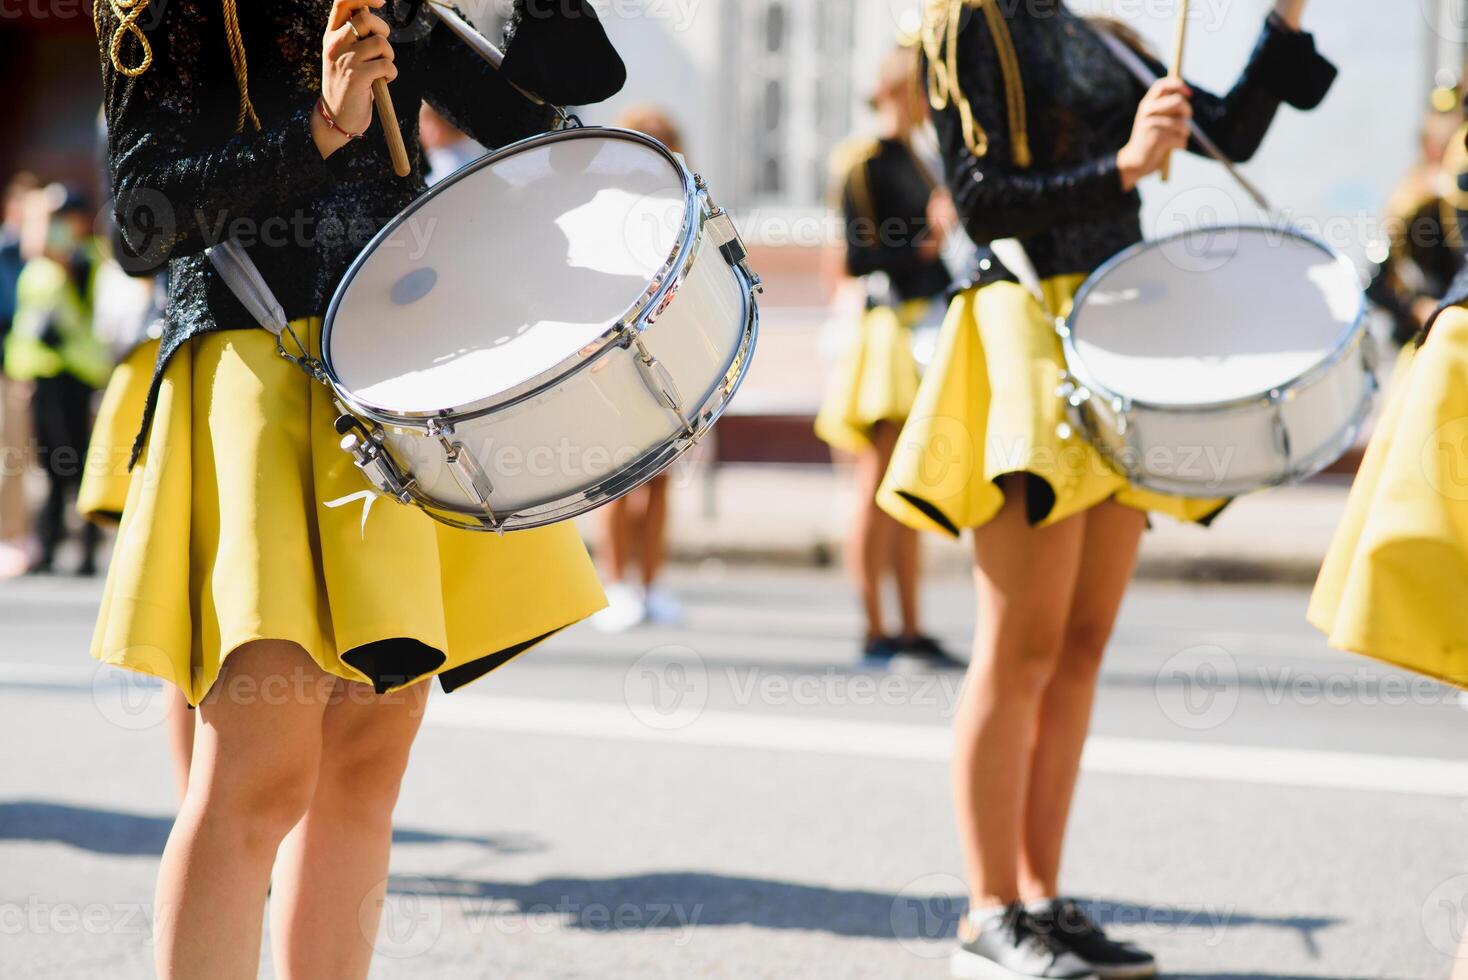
[(128, 12), (655, 122)]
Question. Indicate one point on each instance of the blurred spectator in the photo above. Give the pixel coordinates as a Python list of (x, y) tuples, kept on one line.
[(1424, 244), (634, 527), (446, 148), (52, 345), (14, 397)]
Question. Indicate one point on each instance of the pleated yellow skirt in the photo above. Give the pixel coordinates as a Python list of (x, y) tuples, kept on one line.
[(227, 537), (1394, 584), (105, 477), (876, 379), (988, 407)]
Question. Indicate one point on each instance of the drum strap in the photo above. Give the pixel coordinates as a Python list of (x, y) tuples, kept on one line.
[(245, 281)]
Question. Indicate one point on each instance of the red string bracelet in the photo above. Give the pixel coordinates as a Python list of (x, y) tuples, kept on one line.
[(326, 114)]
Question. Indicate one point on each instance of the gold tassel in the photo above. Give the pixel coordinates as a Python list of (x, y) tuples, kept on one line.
[(940, 44), (241, 70), (128, 12)]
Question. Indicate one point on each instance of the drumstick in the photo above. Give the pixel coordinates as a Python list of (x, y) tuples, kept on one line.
[(390, 131), (1177, 67), (401, 165)]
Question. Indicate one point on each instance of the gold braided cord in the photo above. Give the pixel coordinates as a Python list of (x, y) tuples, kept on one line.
[(127, 13), (941, 20), (241, 69)]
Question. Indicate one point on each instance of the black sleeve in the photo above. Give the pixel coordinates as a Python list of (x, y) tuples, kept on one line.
[(476, 98), (872, 243), (175, 187), (1284, 68), (995, 198)]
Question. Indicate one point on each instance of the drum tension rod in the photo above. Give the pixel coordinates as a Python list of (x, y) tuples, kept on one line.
[(731, 245), (466, 469), (659, 381)]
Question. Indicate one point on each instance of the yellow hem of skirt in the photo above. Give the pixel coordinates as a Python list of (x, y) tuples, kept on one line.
[(988, 407), (875, 380), (226, 539), (1394, 582)]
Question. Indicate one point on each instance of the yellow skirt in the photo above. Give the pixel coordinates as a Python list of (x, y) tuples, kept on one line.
[(1394, 584), (105, 476), (226, 537), (988, 407), (876, 379)]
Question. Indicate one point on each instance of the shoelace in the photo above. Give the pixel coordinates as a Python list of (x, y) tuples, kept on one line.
[(1070, 918), (1033, 939)]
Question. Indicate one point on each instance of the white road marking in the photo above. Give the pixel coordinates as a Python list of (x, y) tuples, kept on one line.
[(930, 743), (641, 722)]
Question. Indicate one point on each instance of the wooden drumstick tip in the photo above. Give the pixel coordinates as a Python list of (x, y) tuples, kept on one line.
[(388, 116), (1180, 41)]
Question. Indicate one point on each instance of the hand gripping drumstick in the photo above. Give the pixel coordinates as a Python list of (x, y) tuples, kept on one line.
[(388, 116), (1177, 68)]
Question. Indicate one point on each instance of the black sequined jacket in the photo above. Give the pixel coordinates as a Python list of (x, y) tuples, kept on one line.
[(1067, 207), (884, 204), (184, 179)]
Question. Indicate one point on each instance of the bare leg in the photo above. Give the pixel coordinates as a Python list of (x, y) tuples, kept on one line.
[(614, 538), (332, 872), (258, 751), (1113, 536), (1025, 578), (180, 739), (654, 529), (869, 547), (907, 561), (1460, 962)]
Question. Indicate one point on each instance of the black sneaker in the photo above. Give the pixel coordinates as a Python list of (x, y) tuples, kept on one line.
[(1007, 946), (1065, 920), (877, 653), (927, 653)]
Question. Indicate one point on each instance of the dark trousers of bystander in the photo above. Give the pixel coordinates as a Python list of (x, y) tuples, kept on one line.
[(61, 412)]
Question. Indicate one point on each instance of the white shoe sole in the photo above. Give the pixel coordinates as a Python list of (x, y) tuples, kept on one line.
[(966, 966)]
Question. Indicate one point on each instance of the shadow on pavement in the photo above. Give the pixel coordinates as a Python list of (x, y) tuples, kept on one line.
[(116, 832), (681, 899)]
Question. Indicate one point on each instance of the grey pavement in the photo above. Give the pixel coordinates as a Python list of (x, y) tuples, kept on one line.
[(731, 799), (797, 515)]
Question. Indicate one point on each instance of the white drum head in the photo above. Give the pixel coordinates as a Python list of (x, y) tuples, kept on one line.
[(1213, 316), (501, 273)]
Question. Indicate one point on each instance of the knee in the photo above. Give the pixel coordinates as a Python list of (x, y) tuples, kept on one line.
[(1023, 662), (363, 781), (259, 809), (1084, 648)]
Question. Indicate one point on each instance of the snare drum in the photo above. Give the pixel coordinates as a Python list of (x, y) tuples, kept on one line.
[(1221, 360), (541, 332)]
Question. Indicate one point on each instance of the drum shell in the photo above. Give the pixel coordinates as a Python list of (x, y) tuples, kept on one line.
[(1229, 449), (600, 429)]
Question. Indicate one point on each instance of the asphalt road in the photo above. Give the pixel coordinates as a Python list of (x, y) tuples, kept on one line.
[(731, 799)]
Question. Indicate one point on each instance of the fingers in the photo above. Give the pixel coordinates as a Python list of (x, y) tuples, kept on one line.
[(1169, 86), (342, 11), (1172, 105), (346, 51)]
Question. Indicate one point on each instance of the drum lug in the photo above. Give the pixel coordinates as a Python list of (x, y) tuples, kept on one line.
[(468, 474), (660, 382), (381, 471), (726, 236), (1282, 445)]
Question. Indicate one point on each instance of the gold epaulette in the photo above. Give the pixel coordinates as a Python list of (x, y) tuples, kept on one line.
[(1454, 166), (848, 169), (940, 44)]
